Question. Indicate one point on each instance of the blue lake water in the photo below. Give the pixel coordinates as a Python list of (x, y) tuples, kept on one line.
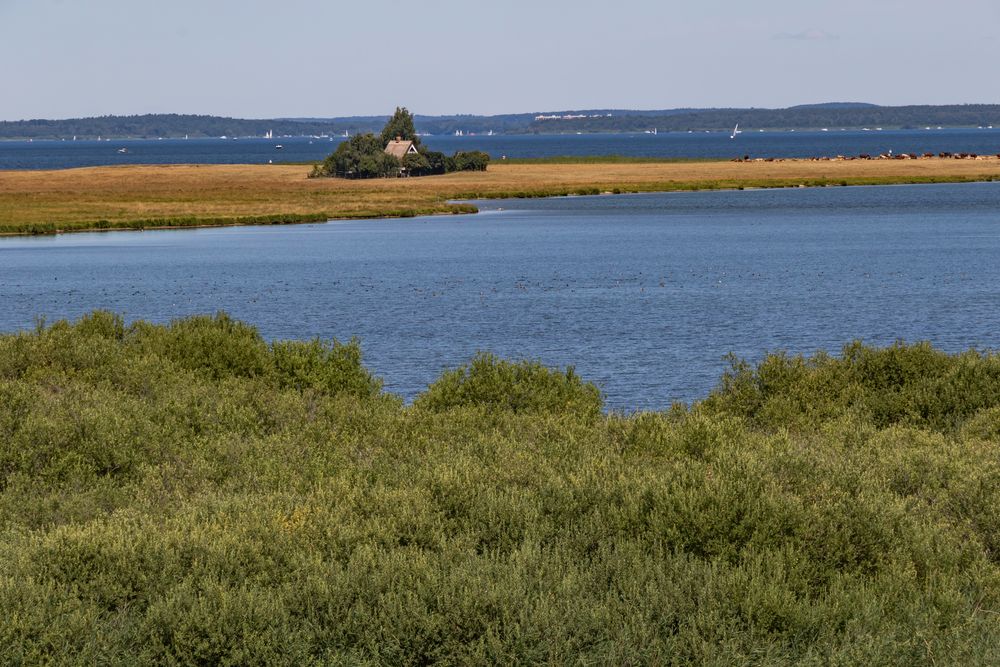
[(644, 294), (65, 154)]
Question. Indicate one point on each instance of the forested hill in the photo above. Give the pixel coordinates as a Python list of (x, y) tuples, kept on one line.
[(831, 115), (179, 125), (804, 117)]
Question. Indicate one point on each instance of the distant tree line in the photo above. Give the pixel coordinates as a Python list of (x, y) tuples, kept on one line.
[(802, 117), (365, 156), (808, 117), (174, 126)]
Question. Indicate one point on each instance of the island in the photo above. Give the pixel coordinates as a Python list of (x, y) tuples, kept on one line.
[(165, 196)]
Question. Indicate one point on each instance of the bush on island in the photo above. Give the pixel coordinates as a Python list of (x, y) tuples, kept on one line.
[(361, 156), (364, 155), (471, 161)]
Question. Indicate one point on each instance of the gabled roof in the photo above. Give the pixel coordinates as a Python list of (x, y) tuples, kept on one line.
[(400, 148)]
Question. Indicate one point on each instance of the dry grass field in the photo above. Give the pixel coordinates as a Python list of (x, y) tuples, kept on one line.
[(33, 202)]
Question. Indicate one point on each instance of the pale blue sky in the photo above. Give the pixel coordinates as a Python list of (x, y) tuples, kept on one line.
[(252, 59)]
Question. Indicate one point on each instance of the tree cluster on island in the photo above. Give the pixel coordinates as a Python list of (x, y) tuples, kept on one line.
[(365, 155)]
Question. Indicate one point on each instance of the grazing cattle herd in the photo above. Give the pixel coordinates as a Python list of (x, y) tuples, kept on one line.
[(883, 156)]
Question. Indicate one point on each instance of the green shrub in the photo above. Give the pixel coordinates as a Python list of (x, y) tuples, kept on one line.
[(191, 494), (217, 345), (470, 161), (516, 386), (329, 368), (361, 156), (984, 425), (911, 384)]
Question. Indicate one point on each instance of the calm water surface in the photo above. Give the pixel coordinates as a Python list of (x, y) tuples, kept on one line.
[(64, 154), (644, 294)]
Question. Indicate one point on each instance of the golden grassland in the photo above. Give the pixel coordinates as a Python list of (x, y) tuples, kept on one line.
[(33, 202)]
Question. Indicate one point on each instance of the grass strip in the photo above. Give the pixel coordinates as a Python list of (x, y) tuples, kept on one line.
[(146, 197)]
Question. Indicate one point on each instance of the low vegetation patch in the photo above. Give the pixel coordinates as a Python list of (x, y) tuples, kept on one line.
[(191, 493), (145, 197)]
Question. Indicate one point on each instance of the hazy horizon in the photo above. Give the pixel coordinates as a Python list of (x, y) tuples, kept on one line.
[(388, 112), (310, 59)]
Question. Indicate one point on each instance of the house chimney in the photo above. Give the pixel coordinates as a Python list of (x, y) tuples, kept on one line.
[(399, 138)]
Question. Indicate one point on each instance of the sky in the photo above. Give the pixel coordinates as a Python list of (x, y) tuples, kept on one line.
[(323, 58)]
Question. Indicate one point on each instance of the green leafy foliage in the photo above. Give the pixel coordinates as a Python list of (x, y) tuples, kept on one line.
[(400, 125), (361, 156), (519, 387), (471, 161), (437, 163), (364, 156), (193, 494), (416, 164), (328, 368), (901, 384)]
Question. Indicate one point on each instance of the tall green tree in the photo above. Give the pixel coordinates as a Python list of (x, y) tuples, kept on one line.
[(400, 125)]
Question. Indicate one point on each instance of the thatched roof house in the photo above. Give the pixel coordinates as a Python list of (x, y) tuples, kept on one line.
[(400, 148)]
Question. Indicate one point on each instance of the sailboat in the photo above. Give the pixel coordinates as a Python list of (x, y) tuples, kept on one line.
[(736, 130)]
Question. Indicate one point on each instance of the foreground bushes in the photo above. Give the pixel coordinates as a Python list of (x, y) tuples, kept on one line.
[(193, 494), (494, 384), (914, 384)]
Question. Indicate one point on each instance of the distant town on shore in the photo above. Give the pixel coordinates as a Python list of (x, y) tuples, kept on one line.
[(834, 115)]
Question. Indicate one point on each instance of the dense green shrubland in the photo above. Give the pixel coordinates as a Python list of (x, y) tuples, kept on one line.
[(192, 494), (914, 385)]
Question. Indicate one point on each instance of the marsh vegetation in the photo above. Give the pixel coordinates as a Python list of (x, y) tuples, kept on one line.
[(192, 494), (143, 197)]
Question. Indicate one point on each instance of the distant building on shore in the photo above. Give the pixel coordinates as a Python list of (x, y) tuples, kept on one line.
[(400, 148)]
